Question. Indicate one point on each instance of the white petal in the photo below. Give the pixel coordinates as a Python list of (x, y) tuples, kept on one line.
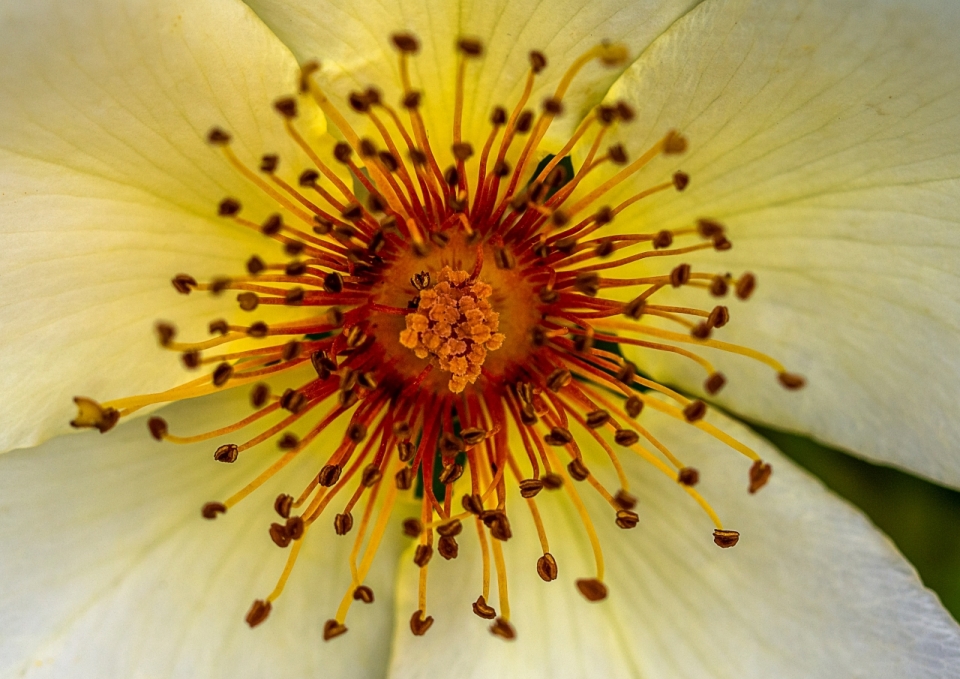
[(351, 39), (110, 571), (108, 187), (825, 135), (811, 590)]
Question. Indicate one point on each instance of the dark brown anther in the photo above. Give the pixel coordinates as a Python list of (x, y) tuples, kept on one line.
[(483, 609), (259, 395), (688, 476), (282, 505), (190, 359), (376, 204), (401, 430), (681, 180), (342, 152), (218, 327), (592, 589), (342, 523), (759, 475), (538, 336), (405, 451), (422, 555), (547, 567), (322, 364), (218, 136), (791, 381), (288, 441), (694, 411), (701, 330), (618, 154), (158, 427), (538, 61), (355, 337), (578, 470), (218, 285), (627, 519), (269, 163), (634, 309), (725, 538), (502, 168), (333, 282), (559, 218), (587, 282), (721, 243), (472, 504), (718, 286), (606, 114), (582, 343), (356, 432), (558, 436), (183, 283), (504, 259), (308, 178), (271, 225), (451, 176), (405, 42), (530, 487), (286, 106), (473, 436), (404, 478), (448, 548), (248, 301), (370, 476), (714, 383), (674, 143), (528, 414), (278, 533), (451, 473), (524, 122), (293, 400), (228, 452), (548, 296), (525, 391), (745, 286), (295, 527), (708, 228), (322, 226), (625, 500), (333, 629), (498, 117), (680, 275), (603, 216), (329, 475), (558, 379), (211, 509), (604, 249), (291, 350), (255, 266), (567, 245), (626, 437), (165, 333), (439, 238), (411, 100), (228, 207), (450, 444), (222, 374), (358, 102), (389, 162), (258, 330), (462, 151), (412, 527), (470, 47), (634, 406), (352, 212), (625, 111), (597, 418), (719, 316), (500, 527), (503, 629), (552, 106), (663, 239), (335, 317), (627, 372), (552, 481), (451, 528), (420, 624), (364, 594), (258, 612), (306, 71)]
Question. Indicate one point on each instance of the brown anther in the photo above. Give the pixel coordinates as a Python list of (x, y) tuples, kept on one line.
[(228, 452), (255, 266), (288, 441), (719, 316), (552, 106), (451, 528), (286, 106), (370, 476), (547, 567), (322, 226), (184, 283), (530, 487), (627, 519), (450, 473), (258, 612), (272, 225), (680, 275), (470, 47), (618, 154), (504, 259), (342, 152), (582, 343), (219, 284), (472, 504), (634, 309), (759, 475), (259, 395), (222, 374), (503, 629), (358, 102), (577, 469), (356, 432), (597, 418), (411, 100), (306, 71), (680, 180), (291, 350), (450, 444), (559, 218), (745, 286), (462, 151), (342, 523), (333, 629), (282, 505), (791, 381), (538, 61), (165, 333), (483, 609), (701, 330), (389, 161), (448, 548), (422, 555), (211, 509), (725, 538), (566, 245), (524, 122), (405, 451), (190, 359), (633, 406), (335, 317), (249, 301), (329, 475), (158, 427), (278, 533), (293, 400), (625, 111), (258, 329), (404, 478), (295, 527), (228, 207), (558, 436), (558, 379), (451, 176), (627, 372), (708, 228), (721, 243), (663, 239), (714, 383), (674, 143), (420, 624), (353, 213), (473, 436), (538, 336), (718, 286), (625, 500), (588, 283), (218, 136), (499, 526), (368, 149), (592, 589), (552, 481), (688, 476), (406, 42), (218, 327), (412, 527), (333, 282), (269, 163), (364, 594), (498, 116), (695, 410), (626, 437), (528, 414), (604, 249)]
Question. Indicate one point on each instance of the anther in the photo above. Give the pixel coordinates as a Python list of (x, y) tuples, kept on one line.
[(333, 629), (291, 350), (411, 100), (448, 548), (184, 283), (420, 624), (288, 441), (498, 117), (606, 115), (791, 381), (626, 372), (504, 259), (228, 207), (558, 379), (218, 136), (412, 527), (306, 71), (694, 411), (587, 282), (709, 228), (278, 533), (269, 163), (618, 154), (627, 519), (625, 500), (720, 243), (633, 406), (592, 589), (604, 249), (530, 487), (342, 152), (405, 451), (625, 111), (688, 476), (680, 180), (333, 282), (218, 326), (258, 330), (259, 395), (462, 151), (663, 239), (501, 169), (158, 427), (218, 285), (342, 523), (597, 418), (228, 452), (190, 359), (680, 275), (718, 286), (577, 469), (211, 509), (249, 301), (450, 473), (329, 475), (714, 383), (165, 333), (450, 529), (295, 527), (552, 481), (503, 629), (745, 286), (719, 316), (634, 309), (406, 42), (552, 106), (222, 374), (759, 475), (470, 47), (538, 61), (422, 555), (558, 436), (547, 567), (674, 143), (282, 505), (356, 432), (626, 437), (286, 106), (483, 609), (293, 400), (472, 504), (725, 538), (500, 527), (258, 612), (272, 225), (524, 122), (404, 478), (364, 594), (358, 102), (371, 475)]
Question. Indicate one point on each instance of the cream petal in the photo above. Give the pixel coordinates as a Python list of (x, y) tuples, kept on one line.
[(825, 135), (110, 571), (811, 590), (351, 39), (109, 188)]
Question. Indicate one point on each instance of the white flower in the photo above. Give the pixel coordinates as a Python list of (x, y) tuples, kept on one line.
[(824, 134)]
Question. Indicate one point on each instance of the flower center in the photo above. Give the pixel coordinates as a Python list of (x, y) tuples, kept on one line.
[(463, 313)]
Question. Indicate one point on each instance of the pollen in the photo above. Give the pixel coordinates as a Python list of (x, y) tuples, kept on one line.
[(462, 313)]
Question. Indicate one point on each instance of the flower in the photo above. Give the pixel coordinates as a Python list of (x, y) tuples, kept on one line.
[(828, 126)]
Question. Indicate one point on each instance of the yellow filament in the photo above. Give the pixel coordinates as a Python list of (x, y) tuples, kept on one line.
[(288, 568), (501, 579), (484, 551), (584, 514)]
